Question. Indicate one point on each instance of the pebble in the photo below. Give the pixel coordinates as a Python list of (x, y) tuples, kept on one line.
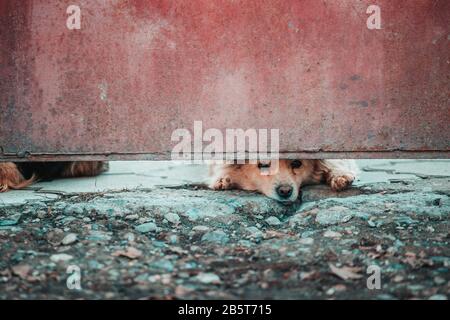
[(217, 236), (68, 220), (307, 234), (55, 236), (69, 239), (254, 232), (173, 239), (94, 264), (200, 229), (332, 234), (41, 214), (193, 214), (371, 224), (273, 221), (132, 217), (208, 278), (307, 241), (61, 257), (334, 215), (96, 235), (74, 209), (147, 227), (22, 270), (172, 218), (10, 221), (164, 265), (299, 219), (439, 280), (130, 253)]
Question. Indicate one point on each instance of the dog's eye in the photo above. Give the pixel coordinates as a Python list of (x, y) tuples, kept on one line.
[(296, 164), (264, 164)]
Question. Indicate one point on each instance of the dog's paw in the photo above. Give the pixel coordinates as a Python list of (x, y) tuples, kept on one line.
[(223, 183), (3, 187), (339, 183), (6, 185)]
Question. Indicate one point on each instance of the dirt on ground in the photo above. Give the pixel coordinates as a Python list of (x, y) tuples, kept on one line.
[(192, 243)]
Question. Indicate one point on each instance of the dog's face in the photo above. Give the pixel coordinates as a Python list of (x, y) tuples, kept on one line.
[(278, 179)]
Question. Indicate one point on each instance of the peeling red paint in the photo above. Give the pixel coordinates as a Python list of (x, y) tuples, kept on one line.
[(139, 69)]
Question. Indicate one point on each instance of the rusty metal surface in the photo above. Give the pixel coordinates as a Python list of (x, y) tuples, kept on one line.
[(137, 70)]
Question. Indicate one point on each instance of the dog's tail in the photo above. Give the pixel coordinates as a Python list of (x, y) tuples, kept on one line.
[(11, 178), (22, 184)]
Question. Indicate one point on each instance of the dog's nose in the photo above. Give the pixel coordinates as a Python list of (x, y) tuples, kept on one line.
[(284, 191)]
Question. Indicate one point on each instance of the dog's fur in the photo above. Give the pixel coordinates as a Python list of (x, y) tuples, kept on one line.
[(20, 175), (269, 177)]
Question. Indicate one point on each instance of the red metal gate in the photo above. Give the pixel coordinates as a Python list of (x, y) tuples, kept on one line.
[(137, 70)]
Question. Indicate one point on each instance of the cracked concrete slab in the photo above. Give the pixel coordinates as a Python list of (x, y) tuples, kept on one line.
[(419, 168), (167, 237), (141, 175), (20, 197)]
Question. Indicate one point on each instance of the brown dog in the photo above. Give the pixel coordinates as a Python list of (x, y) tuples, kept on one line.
[(282, 179), (19, 175)]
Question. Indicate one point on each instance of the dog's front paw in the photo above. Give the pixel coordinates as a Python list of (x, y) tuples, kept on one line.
[(339, 183), (223, 183)]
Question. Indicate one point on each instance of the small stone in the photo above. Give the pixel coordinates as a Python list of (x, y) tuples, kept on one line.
[(439, 280), (217, 236), (55, 236), (94, 264), (130, 253), (300, 219), (273, 221), (307, 234), (307, 241), (74, 209), (172, 218), (208, 278), (330, 291), (200, 229), (67, 220), (182, 291), (147, 227), (254, 232), (347, 218), (41, 214), (193, 214), (11, 220), (331, 234), (21, 270), (164, 265), (132, 217), (96, 235), (61, 257), (172, 239), (130, 237), (334, 215), (69, 239)]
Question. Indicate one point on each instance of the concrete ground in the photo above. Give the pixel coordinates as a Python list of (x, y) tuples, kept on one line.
[(150, 230)]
